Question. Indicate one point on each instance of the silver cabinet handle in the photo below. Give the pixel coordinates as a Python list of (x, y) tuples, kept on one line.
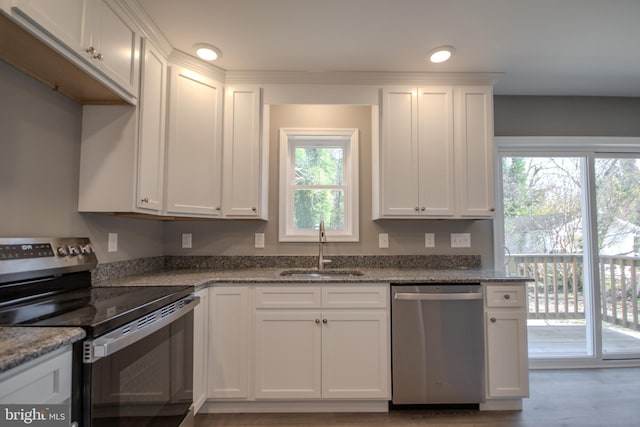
[(435, 297)]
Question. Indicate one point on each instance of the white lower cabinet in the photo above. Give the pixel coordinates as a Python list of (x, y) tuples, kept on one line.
[(46, 380), (228, 355), (506, 343), (307, 350)]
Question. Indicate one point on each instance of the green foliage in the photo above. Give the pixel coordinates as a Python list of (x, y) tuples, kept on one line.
[(318, 174)]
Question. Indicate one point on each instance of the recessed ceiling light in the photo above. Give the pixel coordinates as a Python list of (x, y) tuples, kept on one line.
[(441, 54), (207, 52)]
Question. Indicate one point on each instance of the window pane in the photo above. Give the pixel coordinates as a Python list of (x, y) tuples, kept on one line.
[(319, 165), (543, 230), (312, 206), (618, 205)]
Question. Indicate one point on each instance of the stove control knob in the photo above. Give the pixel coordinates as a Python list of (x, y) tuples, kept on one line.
[(62, 251), (86, 249), (73, 250)]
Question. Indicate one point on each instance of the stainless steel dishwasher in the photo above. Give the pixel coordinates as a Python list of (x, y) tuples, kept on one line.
[(437, 344)]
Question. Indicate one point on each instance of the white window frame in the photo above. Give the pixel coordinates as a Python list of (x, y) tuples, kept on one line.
[(290, 138)]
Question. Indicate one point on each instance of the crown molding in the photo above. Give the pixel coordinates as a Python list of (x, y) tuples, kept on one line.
[(178, 57), (359, 78), (146, 24)]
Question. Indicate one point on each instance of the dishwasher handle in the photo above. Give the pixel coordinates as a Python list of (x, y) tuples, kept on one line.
[(412, 296)]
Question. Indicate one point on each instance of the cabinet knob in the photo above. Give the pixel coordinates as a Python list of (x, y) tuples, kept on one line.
[(417, 209), (91, 51), (254, 209), (507, 296), (217, 208), (325, 321), (317, 321), (145, 200), (423, 209), (492, 210), (493, 320), (99, 57)]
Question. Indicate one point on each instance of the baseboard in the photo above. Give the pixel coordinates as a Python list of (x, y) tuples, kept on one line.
[(221, 407)]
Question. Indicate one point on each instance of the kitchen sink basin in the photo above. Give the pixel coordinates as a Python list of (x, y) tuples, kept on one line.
[(315, 273)]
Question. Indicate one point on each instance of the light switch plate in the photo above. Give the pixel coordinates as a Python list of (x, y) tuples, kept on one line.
[(429, 240), (187, 240), (259, 240), (460, 240), (383, 240), (113, 242)]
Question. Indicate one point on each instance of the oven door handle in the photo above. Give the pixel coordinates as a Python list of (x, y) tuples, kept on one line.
[(124, 336)]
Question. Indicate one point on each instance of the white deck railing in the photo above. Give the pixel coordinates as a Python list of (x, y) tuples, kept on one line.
[(557, 290)]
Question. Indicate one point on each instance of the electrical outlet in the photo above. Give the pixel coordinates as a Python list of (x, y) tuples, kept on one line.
[(187, 241), (259, 240), (113, 242), (429, 240), (383, 240), (460, 240)]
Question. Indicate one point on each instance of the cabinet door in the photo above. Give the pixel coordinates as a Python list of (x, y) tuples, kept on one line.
[(151, 141), (66, 20), (287, 354), (200, 340), (507, 359), (117, 44), (436, 151), (399, 153), (228, 343), (194, 148), (46, 381), (355, 362), (242, 148), (474, 146)]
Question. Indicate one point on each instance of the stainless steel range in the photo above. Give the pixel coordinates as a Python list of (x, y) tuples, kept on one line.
[(135, 367)]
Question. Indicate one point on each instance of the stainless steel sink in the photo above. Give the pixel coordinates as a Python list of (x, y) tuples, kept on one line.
[(315, 273)]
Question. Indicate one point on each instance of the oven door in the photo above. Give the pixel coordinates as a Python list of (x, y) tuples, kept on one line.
[(141, 380)]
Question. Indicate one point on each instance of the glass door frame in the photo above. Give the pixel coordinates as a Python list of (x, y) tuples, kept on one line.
[(587, 148)]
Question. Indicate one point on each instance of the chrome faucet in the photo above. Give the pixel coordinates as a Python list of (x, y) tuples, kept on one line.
[(323, 240)]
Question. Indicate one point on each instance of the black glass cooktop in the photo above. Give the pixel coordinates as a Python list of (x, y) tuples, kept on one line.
[(96, 309)]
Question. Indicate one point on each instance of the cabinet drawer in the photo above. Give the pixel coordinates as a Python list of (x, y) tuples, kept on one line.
[(505, 296), (355, 297), (288, 297)]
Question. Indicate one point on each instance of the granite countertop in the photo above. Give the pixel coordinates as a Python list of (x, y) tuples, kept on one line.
[(19, 345), (203, 278)]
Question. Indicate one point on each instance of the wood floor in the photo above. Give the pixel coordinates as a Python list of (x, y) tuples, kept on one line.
[(559, 398)]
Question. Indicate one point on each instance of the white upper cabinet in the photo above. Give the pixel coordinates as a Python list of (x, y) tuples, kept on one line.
[(193, 174), (474, 151), (435, 153), (151, 144), (122, 148), (115, 45), (65, 20), (96, 35), (244, 172)]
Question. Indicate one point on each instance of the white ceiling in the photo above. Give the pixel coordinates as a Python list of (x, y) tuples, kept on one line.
[(543, 47)]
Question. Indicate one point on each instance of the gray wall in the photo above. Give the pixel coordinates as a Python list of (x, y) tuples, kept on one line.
[(405, 236), (566, 116), (39, 163)]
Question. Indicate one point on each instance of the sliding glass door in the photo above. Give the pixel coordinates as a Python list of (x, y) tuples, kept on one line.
[(544, 235), (618, 230), (572, 223)]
